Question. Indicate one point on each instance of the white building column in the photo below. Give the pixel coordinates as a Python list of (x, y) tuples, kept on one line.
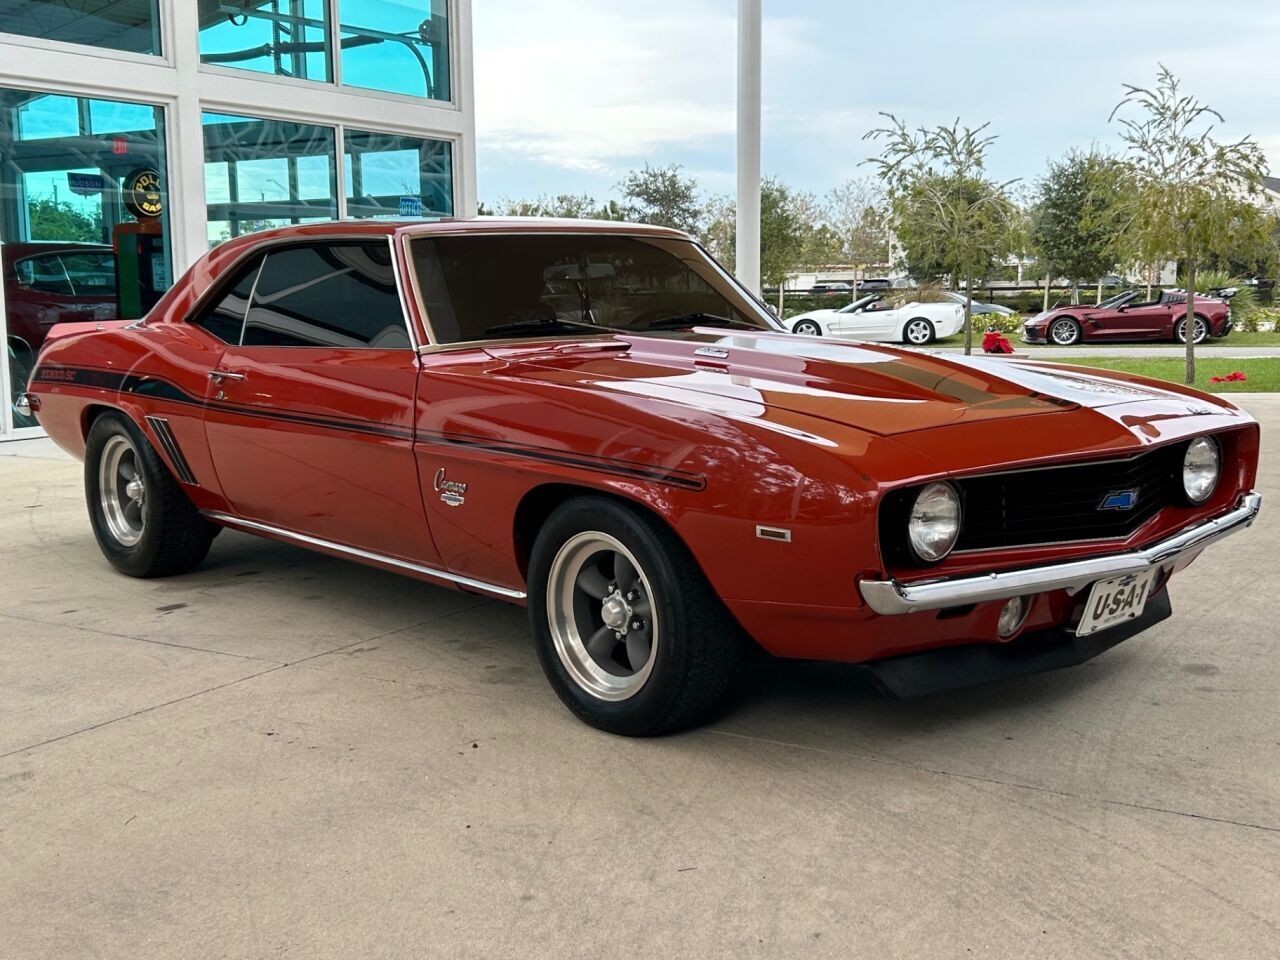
[(747, 246)]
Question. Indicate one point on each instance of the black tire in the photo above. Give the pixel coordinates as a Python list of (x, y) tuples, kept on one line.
[(1065, 339), (1201, 327), (697, 646), (173, 537), (924, 326), (807, 328)]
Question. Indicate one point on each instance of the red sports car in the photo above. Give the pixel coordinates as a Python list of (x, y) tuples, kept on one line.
[(1123, 318), (47, 283), (594, 419)]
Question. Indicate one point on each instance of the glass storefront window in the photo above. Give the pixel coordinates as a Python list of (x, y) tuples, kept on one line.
[(390, 176), (84, 217), (266, 173), (287, 38), (131, 25), (397, 46)]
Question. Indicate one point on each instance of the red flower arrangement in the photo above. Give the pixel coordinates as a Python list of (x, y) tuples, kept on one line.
[(993, 341)]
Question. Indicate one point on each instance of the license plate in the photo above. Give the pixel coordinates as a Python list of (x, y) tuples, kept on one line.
[(1115, 601)]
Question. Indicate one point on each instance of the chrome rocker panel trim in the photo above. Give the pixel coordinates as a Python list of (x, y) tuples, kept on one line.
[(889, 597), (253, 526)]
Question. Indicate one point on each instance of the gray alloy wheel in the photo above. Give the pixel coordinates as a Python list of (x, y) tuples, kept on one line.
[(122, 491), (807, 328), (1064, 332), (918, 332), (1201, 329), (603, 625)]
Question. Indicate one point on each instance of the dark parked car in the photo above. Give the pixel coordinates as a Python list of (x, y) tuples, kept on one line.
[(47, 283), (1124, 317), (874, 283), (829, 289)]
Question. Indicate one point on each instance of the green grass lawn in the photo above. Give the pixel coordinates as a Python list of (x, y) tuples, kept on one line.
[(1263, 372), (1238, 338)]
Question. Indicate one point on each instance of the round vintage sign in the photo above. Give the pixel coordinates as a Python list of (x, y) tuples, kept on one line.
[(141, 193)]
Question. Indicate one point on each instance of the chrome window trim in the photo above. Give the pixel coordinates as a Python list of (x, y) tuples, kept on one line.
[(253, 526)]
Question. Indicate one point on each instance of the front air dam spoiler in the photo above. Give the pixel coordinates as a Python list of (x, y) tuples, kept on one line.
[(950, 668)]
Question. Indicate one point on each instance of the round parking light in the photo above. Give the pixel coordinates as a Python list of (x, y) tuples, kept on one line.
[(1012, 616)]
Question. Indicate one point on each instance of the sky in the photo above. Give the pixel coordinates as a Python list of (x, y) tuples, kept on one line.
[(571, 94)]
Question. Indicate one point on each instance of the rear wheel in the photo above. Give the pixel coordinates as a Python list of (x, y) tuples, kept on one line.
[(1201, 329), (144, 524), (629, 632), (1065, 332), (918, 332), (807, 328)]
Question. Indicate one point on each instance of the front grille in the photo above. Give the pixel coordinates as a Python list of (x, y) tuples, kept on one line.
[(1049, 505), (1065, 503)]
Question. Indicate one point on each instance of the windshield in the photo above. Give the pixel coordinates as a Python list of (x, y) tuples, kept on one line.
[(495, 286), (1120, 299), (859, 304)]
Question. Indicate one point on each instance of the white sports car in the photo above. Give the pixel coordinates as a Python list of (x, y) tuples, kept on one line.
[(871, 318)]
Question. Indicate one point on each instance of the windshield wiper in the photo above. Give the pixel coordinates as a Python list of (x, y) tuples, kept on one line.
[(680, 321), (541, 324)]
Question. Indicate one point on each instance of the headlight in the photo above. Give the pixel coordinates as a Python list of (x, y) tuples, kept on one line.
[(935, 521), (1200, 468)]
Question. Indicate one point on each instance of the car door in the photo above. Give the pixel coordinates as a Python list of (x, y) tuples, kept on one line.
[(866, 323), (309, 416)]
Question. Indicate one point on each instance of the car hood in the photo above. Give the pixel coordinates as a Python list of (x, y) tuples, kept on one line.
[(879, 390)]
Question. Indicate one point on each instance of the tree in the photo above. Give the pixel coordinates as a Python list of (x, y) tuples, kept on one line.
[(858, 213), (790, 234), (1077, 216), (946, 210), (54, 220), (571, 205), (662, 196), (1194, 197)]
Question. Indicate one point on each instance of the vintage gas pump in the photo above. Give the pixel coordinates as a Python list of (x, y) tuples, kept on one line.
[(142, 272)]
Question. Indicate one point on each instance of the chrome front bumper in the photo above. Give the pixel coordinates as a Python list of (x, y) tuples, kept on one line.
[(890, 597)]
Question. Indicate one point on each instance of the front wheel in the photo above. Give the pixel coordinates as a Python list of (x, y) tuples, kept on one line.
[(628, 631), (143, 522), (1201, 329), (918, 332), (1065, 332), (807, 328)]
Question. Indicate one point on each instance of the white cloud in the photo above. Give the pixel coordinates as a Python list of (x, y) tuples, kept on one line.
[(595, 86)]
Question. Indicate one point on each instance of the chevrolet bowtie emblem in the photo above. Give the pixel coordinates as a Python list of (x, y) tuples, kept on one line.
[(1119, 500)]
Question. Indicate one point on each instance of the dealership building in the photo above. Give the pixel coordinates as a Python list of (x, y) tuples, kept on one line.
[(137, 134)]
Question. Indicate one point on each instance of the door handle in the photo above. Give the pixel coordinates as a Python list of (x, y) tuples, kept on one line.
[(219, 376)]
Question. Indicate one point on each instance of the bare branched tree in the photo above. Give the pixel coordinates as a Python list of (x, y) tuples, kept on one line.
[(1194, 197), (946, 211)]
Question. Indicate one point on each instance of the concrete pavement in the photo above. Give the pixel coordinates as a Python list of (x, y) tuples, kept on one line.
[(283, 754)]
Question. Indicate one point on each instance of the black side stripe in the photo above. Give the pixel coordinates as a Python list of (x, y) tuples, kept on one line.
[(170, 443), (626, 468), (145, 385)]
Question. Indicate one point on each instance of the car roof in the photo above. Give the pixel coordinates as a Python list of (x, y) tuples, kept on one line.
[(457, 225), (27, 248)]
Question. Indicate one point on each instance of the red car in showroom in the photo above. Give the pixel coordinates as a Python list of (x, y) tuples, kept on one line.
[(596, 420), (1125, 318), (47, 282)]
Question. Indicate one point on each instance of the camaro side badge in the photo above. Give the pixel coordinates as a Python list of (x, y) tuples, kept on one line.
[(1119, 500), (453, 493)]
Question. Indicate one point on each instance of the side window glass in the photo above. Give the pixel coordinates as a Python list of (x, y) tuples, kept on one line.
[(44, 275), (327, 295), (225, 319)]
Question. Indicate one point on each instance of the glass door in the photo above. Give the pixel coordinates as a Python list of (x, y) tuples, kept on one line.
[(84, 223)]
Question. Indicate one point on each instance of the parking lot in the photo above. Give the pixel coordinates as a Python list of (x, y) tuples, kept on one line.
[(284, 754)]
